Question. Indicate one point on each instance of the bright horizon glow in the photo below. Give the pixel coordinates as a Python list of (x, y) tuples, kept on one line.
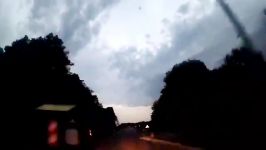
[(127, 114)]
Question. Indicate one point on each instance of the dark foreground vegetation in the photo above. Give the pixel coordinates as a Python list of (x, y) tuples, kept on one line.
[(36, 72), (224, 108)]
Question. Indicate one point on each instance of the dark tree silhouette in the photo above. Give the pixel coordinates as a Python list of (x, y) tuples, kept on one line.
[(37, 71), (214, 108)]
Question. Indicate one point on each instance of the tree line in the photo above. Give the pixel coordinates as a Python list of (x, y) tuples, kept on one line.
[(35, 72), (223, 108)]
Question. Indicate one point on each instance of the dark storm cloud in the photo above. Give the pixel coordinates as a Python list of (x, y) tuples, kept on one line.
[(184, 8), (143, 83), (74, 20), (208, 39), (188, 39)]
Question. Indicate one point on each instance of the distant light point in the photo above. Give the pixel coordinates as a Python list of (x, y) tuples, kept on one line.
[(147, 127)]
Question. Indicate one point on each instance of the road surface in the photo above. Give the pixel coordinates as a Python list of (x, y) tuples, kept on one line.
[(129, 140)]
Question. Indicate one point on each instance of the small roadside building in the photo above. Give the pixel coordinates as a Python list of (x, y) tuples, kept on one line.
[(65, 126)]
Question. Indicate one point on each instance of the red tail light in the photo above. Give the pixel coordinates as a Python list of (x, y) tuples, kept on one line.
[(53, 133)]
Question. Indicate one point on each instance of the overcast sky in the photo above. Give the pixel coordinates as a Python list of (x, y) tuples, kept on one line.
[(122, 48)]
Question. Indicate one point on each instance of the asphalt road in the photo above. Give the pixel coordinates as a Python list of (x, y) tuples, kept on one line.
[(144, 143), (129, 140), (157, 144)]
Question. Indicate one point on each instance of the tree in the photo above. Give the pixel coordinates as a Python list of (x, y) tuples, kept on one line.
[(214, 108), (37, 71), (178, 110)]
